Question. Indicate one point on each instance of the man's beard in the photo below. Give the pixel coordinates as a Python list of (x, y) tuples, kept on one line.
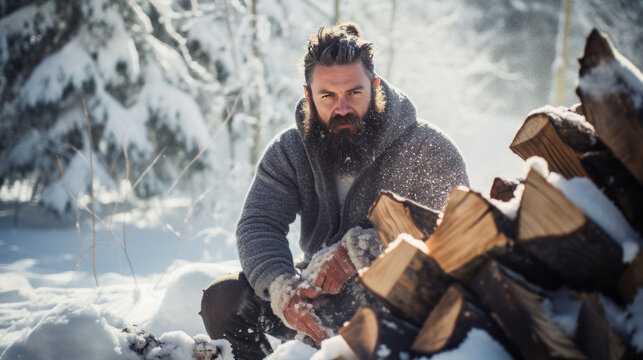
[(346, 152)]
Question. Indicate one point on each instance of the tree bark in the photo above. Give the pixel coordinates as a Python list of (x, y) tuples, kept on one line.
[(594, 334), (369, 332), (517, 312), (608, 99), (503, 189), (451, 320), (560, 235)]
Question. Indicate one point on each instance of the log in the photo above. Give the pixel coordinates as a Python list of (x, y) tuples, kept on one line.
[(560, 235), (470, 227), (503, 189), (369, 332), (518, 313), (560, 136), (631, 280), (473, 230), (392, 215), (407, 279), (594, 335), (609, 89), (616, 182), (450, 322)]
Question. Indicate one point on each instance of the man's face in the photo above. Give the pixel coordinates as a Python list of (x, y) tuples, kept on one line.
[(340, 91), (344, 123)]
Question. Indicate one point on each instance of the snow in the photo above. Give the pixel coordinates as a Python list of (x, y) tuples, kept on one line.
[(69, 66), (407, 238), (602, 80), (477, 345), (635, 322)]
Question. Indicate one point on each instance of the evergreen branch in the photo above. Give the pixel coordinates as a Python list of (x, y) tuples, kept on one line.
[(203, 150)]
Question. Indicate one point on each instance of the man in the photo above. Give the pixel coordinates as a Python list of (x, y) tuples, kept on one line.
[(354, 136)]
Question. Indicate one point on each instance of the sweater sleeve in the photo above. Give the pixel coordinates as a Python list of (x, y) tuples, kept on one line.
[(441, 169), (270, 207)]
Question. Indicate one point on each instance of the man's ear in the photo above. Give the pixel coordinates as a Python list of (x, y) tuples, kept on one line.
[(306, 93), (377, 81)]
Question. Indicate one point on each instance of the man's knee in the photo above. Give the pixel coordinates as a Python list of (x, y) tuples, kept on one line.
[(220, 301)]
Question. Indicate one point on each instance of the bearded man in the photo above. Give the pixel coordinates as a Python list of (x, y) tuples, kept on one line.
[(354, 136)]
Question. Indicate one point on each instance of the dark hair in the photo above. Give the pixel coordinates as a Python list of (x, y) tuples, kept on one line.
[(340, 44)]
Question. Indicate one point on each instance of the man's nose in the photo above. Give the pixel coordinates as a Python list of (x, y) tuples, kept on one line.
[(343, 107)]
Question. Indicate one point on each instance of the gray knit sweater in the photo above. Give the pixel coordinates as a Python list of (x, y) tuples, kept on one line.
[(413, 158)]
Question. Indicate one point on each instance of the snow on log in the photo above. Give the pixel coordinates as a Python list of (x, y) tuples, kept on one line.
[(450, 322), (518, 313), (559, 135), (594, 335), (374, 335), (559, 234), (611, 90), (392, 215), (407, 278)]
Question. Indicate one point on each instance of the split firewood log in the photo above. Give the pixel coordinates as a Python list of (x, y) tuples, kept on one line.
[(518, 313), (571, 148), (503, 189), (631, 280), (560, 136), (472, 230), (450, 322), (407, 279), (560, 235), (372, 334), (594, 335), (392, 215), (609, 87)]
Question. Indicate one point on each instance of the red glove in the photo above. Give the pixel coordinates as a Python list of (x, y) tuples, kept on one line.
[(332, 269), (299, 313)]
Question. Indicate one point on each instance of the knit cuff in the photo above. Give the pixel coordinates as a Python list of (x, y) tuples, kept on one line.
[(281, 290), (363, 246)]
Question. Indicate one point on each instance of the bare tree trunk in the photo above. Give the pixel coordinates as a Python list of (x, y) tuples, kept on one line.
[(256, 147), (391, 40), (336, 20)]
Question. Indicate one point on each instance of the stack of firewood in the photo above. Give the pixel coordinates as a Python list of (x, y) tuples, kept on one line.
[(477, 265)]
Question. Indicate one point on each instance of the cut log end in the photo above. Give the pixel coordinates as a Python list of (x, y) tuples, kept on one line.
[(392, 215), (545, 211)]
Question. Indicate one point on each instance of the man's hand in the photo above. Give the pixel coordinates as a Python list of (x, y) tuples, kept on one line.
[(331, 270), (300, 315)]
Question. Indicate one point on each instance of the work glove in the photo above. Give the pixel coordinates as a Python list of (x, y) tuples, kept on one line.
[(290, 299), (331, 269)]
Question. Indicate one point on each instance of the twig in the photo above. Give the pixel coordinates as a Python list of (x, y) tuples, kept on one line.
[(91, 187), (182, 235), (234, 105), (93, 214)]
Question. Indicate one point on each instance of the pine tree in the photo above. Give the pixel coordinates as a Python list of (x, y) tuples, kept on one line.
[(148, 78)]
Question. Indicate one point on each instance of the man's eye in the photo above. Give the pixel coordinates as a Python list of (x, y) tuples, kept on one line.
[(356, 92)]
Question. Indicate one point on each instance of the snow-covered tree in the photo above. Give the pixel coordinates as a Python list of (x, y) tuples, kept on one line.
[(148, 78)]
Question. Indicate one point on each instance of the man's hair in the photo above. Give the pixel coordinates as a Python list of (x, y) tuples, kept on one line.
[(340, 44)]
